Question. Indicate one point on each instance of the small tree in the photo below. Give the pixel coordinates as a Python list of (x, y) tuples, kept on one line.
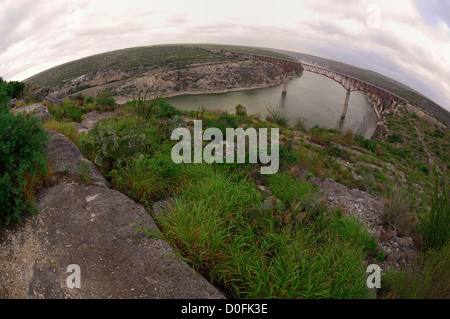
[(241, 110)]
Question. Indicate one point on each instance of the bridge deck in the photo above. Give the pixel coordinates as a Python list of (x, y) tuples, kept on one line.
[(348, 82)]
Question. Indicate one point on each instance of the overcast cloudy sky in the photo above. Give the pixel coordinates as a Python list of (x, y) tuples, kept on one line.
[(408, 40)]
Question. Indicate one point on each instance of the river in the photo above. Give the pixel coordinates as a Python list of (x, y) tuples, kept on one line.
[(312, 97)]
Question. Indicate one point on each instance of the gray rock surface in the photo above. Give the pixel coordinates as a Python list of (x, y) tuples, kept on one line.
[(38, 110), (103, 232), (90, 119), (367, 208), (65, 157)]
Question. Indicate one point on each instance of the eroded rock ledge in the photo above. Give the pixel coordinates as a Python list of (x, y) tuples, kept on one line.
[(92, 226)]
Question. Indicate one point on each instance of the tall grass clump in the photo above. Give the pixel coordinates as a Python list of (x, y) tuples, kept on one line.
[(435, 224), (211, 231), (276, 117), (67, 129), (146, 179), (286, 187), (427, 278)]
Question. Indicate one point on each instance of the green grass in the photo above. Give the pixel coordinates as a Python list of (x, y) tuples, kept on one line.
[(285, 187), (320, 255), (208, 227), (427, 278), (168, 56)]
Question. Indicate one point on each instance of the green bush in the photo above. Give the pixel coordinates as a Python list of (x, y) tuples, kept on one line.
[(166, 110), (142, 107), (22, 160), (67, 111), (9, 90), (89, 99), (241, 110), (105, 100)]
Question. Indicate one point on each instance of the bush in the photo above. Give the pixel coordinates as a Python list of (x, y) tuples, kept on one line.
[(276, 117), (166, 110), (89, 100), (241, 110), (67, 111), (142, 107), (22, 162), (9, 90), (105, 100)]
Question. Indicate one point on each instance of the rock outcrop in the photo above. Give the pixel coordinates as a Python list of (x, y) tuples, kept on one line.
[(100, 230), (197, 78), (367, 208), (38, 110)]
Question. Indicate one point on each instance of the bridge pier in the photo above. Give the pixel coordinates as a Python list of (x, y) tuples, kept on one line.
[(344, 110), (285, 83)]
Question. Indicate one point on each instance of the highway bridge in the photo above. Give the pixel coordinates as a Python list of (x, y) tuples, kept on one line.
[(385, 100)]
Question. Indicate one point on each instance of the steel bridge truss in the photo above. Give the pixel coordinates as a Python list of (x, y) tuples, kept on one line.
[(348, 82)]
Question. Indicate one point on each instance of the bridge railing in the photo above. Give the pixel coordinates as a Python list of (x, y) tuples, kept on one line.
[(348, 82)]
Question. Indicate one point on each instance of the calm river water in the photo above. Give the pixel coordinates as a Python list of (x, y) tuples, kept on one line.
[(314, 98)]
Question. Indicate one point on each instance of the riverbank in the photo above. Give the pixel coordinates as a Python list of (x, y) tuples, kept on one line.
[(205, 78)]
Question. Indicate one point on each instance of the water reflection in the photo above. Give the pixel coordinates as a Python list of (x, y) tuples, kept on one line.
[(314, 98)]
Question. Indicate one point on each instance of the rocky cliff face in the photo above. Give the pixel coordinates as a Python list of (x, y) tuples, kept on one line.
[(195, 79)]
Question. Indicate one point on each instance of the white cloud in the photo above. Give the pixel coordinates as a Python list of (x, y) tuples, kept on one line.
[(36, 35)]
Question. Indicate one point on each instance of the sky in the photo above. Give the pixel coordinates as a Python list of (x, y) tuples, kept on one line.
[(407, 40)]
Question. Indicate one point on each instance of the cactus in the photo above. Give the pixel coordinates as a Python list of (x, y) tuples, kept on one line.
[(107, 148)]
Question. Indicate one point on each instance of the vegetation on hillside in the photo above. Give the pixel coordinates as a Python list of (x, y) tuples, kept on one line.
[(253, 235), (139, 58), (23, 166)]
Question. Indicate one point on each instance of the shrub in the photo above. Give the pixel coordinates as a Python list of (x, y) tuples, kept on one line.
[(300, 124), (142, 107), (241, 110), (166, 110), (67, 111), (276, 117), (22, 162), (105, 100), (89, 100)]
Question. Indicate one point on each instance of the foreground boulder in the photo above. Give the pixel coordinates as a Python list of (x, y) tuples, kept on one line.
[(65, 158), (99, 230)]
